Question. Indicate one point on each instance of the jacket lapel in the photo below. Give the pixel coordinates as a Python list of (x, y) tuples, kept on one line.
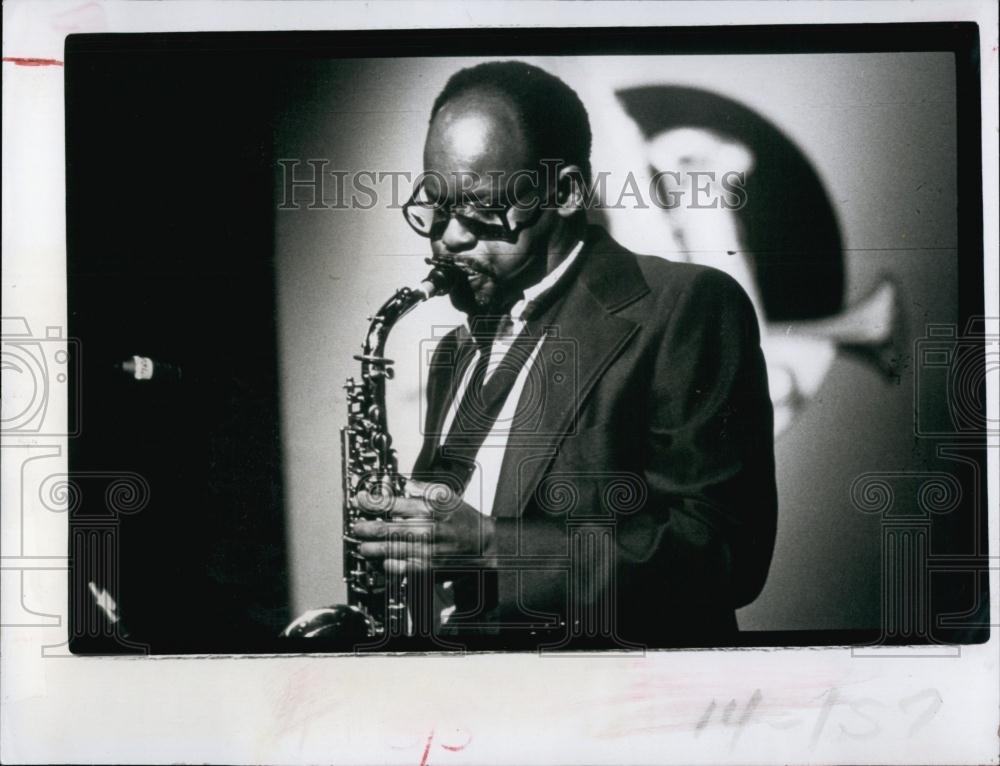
[(584, 336)]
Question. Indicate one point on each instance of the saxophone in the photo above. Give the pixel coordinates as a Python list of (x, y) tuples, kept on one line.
[(376, 608)]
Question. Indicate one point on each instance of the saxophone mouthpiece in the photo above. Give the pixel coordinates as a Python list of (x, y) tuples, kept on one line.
[(428, 289), (441, 278)]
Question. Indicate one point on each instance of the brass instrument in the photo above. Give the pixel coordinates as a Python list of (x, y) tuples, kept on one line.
[(376, 608)]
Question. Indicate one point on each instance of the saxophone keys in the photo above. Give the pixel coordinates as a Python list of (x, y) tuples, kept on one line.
[(373, 359)]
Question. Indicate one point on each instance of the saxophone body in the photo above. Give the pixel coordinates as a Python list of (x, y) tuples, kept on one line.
[(376, 609)]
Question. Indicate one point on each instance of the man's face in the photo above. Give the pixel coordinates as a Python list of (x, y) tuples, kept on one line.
[(476, 148)]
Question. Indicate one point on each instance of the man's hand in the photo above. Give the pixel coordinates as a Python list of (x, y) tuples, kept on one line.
[(428, 525)]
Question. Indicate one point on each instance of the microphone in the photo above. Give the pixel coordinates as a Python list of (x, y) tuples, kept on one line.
[(143, 368)]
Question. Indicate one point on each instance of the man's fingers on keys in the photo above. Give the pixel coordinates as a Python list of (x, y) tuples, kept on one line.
[(369, 529), (403, 566)]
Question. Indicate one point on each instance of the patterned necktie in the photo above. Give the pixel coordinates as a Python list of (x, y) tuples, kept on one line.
[(487, 389)]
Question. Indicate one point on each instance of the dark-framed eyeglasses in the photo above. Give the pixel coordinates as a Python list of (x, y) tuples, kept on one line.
[(429, 217)]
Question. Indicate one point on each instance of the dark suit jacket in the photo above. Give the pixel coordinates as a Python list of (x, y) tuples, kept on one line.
[(637, 496)]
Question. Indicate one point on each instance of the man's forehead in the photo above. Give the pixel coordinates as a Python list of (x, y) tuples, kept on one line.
[(468, 135), (475, 132)]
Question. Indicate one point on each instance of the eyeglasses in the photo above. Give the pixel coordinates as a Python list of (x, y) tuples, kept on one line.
[(429, 217)]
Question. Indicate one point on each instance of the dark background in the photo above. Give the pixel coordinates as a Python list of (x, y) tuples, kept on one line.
[(170, 227)]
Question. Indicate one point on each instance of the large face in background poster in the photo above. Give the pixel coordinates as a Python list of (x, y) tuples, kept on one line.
[(773, 227)]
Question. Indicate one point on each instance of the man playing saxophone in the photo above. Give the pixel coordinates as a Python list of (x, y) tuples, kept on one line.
[(598, 463)]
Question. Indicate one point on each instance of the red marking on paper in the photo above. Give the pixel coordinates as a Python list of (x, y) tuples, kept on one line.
[(456, 748), (427, 749), (84, 18), (22, 61)]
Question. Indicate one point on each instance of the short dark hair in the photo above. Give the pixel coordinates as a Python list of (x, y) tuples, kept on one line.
[(550, 112)]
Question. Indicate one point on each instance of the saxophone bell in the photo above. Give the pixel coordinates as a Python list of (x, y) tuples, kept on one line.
[(342, 622)]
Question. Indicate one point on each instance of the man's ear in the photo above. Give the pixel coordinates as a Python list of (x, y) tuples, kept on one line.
[(570, 192)]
